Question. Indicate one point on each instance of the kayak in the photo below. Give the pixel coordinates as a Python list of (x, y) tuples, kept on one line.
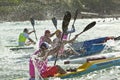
[(89, 47), (92, 65), (21, 79), (82, 60), (21, 48), (15, 48), (86, 48)]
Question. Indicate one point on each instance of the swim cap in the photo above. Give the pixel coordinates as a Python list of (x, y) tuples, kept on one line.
[(45, 44)]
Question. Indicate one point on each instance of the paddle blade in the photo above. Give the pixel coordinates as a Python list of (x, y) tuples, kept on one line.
[(75, 17), (89, 26), (54, 20), (32, 21), (66, 21), (76, 13)]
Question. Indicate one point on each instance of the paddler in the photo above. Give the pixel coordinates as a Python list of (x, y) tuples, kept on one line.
[(39, 62), (24, 36), (46, 37), (64, 41)]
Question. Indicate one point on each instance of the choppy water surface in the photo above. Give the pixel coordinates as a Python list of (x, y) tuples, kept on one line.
[(14, 64)]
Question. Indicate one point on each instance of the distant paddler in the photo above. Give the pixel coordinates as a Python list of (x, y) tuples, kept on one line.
[(24, 36), (46, 37)]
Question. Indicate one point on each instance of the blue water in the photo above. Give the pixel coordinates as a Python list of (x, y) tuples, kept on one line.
[(14, 64)]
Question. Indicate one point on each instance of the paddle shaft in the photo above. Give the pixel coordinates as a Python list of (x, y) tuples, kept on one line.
[(35, 32), (54, 20)]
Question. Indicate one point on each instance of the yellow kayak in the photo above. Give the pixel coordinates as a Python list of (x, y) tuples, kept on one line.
[(90, 66)]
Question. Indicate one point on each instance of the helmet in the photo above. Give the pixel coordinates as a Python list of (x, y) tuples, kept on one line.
[(45, 44)]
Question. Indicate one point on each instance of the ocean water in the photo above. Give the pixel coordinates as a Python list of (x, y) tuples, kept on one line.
[(15, 64)]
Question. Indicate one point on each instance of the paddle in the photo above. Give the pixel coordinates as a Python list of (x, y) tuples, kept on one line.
[(117, 38), (54, 20), (33, 23), (75, 17), (65, 24), (89, 26)]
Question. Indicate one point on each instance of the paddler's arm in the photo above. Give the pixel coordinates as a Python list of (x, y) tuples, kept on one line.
[(31, 32), (52, 34), (70, 41), (54, 50), (31, 41)]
